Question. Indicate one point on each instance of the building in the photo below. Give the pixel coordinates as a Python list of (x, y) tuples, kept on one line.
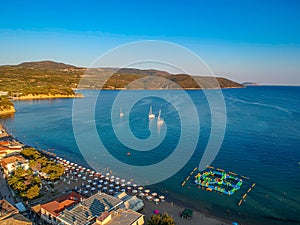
[(130, 202), (51, 210), (8, 148), (9, 215), (11, 163), (89, 209), (124, 217)]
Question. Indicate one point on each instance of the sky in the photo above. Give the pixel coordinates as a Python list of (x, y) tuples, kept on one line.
[(256, 40)]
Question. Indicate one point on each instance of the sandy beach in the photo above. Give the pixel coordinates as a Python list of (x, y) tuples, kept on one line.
[(175, 210), (43, 96)]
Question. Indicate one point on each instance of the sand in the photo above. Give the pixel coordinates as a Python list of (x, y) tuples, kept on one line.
[(175, 211)]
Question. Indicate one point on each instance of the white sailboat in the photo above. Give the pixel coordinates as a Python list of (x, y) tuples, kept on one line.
[(121, 113), (151, 115), (160, 121)]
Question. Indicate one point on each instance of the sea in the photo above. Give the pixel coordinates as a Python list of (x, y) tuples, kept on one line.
[(253, 132)]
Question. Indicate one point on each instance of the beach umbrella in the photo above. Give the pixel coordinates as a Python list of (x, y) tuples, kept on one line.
[(156, 200), (156, 211), (79, 175), (123, 180), (128, 188), (140, 188), (128, 183), (111, 191), (88, 186), (147, 191), (89, 181), (117, 188), (111, 185), (117, 178), (99, 186), (154, 194), (72, 163), (93, 189), (162, 198), (101, 181), (107, 174), (134, 186), (96, 178), (117, 183), (105, 183), (123, 190), (141, 194), (134, 191), (112, 177), (83, 178), (94, 183), (75, 164), (106, 178)]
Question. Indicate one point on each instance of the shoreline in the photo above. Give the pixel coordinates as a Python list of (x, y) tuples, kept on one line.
[(169, 207), (11, 110), (44, 96)]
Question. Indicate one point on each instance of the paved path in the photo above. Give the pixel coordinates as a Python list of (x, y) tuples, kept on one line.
[(5, 191)]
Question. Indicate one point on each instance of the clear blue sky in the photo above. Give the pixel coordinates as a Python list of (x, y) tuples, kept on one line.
[(243, 40)]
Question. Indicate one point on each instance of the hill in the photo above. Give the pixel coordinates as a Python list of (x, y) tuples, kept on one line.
[(52, 78), (46, 65)]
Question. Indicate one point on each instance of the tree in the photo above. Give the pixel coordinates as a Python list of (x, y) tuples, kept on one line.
[(33, 192), (159, 219), (31, 153), (12, 181)]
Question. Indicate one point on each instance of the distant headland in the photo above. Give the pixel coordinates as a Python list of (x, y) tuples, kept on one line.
[(48, 79)]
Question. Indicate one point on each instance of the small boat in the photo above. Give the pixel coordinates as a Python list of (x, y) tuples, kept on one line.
[(121, 113), (160, 121), (151, 115)]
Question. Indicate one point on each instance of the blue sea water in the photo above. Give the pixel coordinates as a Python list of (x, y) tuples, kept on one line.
[(262, 142)]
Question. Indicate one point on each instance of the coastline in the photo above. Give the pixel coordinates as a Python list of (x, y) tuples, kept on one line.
[(11, 110), (44, 96), (169, 207)]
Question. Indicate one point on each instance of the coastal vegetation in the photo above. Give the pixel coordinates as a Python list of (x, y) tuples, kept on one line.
[(38, 162), (159, 219), (47, 79), (27, 182), (6, 105), (53, 78)]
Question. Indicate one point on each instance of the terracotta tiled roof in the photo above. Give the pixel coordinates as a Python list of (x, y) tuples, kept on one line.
[(4, 143), (11, 159), (58, 205)]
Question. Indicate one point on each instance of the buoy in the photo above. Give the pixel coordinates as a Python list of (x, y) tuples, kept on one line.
[(128, 153), (253, 185), (244, 196), (241, 201)]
